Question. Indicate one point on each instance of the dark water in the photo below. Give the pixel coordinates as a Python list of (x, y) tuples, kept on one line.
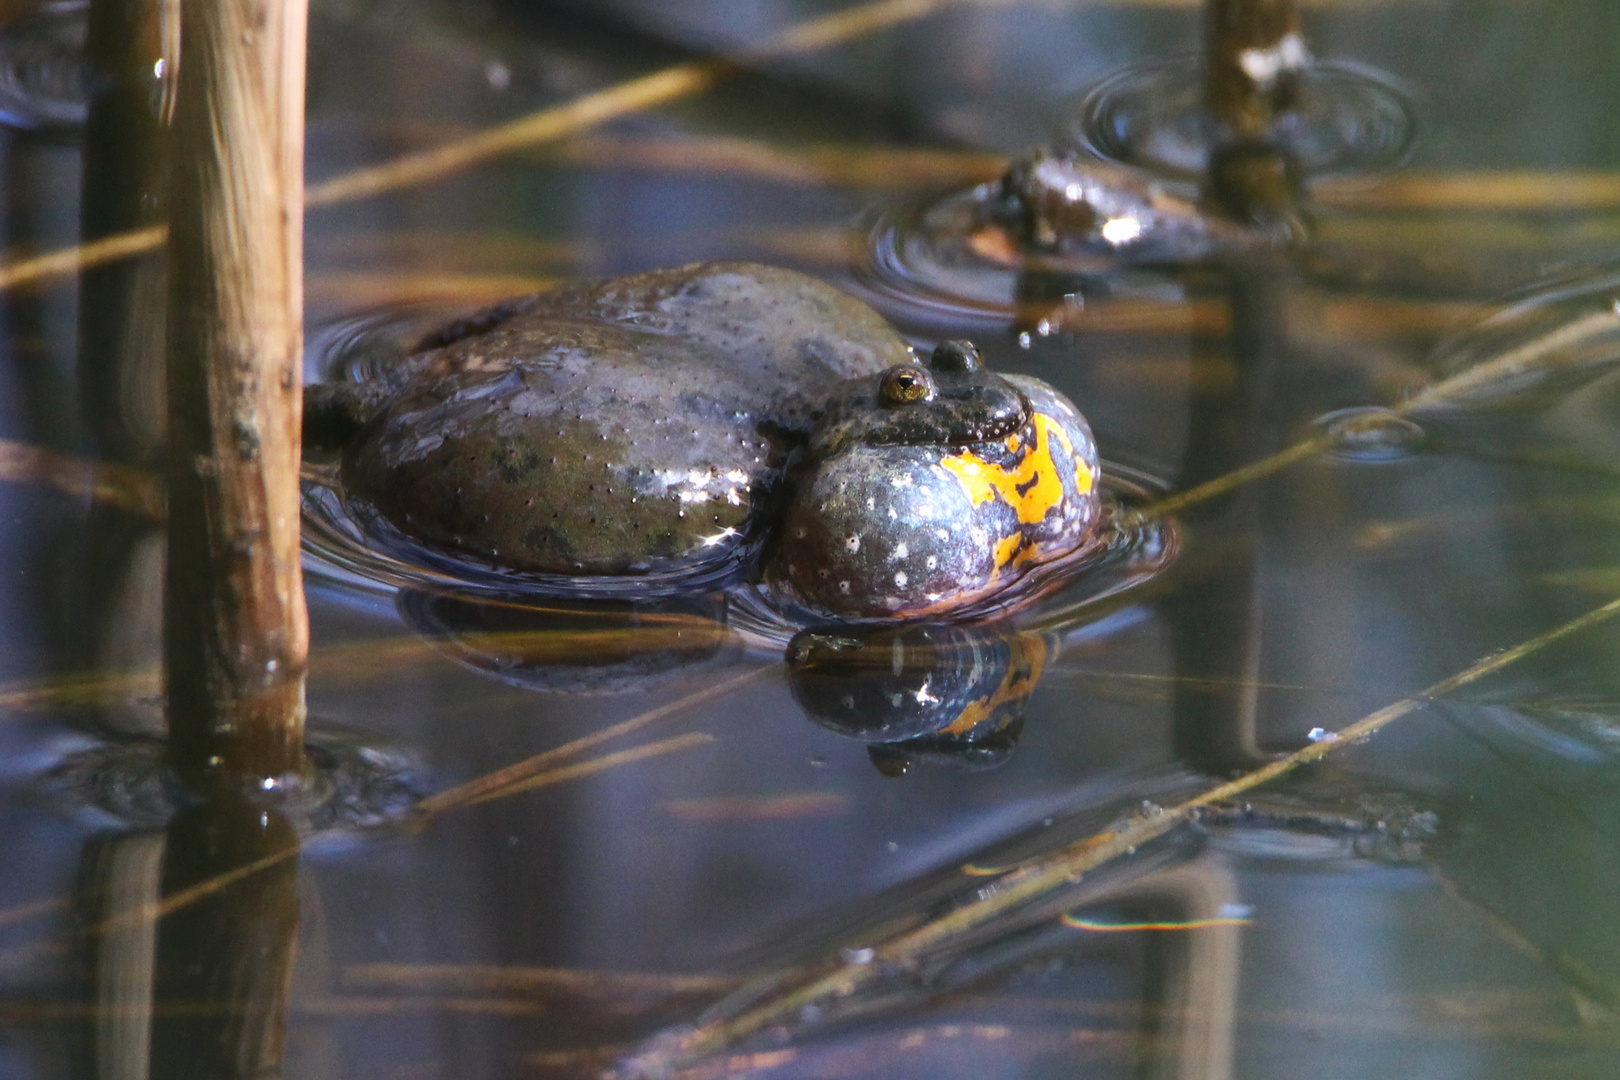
[(1437, 901)]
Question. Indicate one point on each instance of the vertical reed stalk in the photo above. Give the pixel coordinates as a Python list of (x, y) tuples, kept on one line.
[(236, 631), (1254, 52)]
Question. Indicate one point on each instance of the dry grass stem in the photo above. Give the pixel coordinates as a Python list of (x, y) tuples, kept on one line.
[(82, 256), (501, 780), (509, 979), (451, 800), (123, 486)]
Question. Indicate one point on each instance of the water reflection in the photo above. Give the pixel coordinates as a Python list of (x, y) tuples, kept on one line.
[(911, 693), (595, 647), (189, 939)]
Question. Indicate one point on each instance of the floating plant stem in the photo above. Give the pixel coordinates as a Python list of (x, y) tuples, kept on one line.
[(790, 1007), (235, 627), (82, 256), (133, 490)]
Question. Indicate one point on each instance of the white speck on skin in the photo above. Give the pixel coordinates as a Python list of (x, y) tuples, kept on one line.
[(853, 543), (900, 579), (901, 551)]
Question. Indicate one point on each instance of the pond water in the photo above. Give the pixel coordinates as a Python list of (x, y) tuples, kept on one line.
[(711, 830)]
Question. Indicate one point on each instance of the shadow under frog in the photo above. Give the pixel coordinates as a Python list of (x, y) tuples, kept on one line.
[(684, 429)]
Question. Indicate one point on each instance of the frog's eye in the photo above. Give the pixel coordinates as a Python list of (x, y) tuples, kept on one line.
[(905, 385), (962, 356)]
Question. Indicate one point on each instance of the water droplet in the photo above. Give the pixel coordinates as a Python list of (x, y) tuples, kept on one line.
[(1371, 434), (858, 956), (1317, 735)]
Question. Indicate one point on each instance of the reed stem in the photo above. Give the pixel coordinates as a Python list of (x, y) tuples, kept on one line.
[(236, 630)]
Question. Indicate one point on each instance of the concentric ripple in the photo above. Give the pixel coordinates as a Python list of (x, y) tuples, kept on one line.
[(1351, 119), (943, 262)]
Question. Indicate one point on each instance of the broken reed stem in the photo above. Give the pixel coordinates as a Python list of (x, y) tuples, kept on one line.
[(235, 627), (1254, 52)]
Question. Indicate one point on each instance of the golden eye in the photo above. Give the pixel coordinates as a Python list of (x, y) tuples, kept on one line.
[(904, 385)]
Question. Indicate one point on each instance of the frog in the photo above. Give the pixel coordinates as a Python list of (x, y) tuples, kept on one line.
[(694, 425)]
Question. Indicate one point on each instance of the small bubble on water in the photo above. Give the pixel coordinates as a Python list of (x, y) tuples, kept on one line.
[(1371, 434)]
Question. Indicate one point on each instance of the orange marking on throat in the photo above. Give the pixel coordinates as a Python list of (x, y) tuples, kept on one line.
[(1036, 471)]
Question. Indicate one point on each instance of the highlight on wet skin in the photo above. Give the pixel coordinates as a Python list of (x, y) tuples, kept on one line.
[(718, 421)]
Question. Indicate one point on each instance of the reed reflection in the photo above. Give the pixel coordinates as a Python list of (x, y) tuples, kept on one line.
[(191, 938)]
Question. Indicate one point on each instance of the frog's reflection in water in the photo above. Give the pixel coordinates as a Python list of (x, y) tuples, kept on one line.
[(912, 693), (920, 692)]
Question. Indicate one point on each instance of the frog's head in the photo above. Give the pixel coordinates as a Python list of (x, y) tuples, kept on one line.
[(953, 400), (931, 487)]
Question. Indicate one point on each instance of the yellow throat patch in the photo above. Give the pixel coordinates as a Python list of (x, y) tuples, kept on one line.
[(1032, 487)]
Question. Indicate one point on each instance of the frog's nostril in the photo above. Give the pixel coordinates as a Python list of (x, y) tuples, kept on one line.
[(961, 356)]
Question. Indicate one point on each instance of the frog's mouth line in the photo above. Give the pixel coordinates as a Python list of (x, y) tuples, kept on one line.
[(931, 424)]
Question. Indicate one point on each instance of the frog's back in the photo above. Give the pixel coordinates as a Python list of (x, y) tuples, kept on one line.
[(631, 426)]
